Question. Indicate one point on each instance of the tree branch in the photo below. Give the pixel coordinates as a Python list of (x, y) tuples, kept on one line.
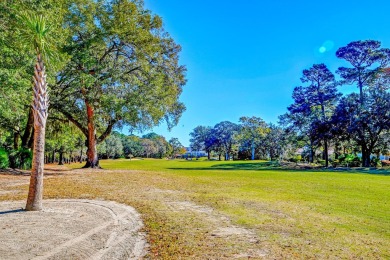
[(74, 121), (107, 132)]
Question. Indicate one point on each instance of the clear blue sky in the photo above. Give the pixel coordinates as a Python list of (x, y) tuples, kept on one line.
[(245, 57)]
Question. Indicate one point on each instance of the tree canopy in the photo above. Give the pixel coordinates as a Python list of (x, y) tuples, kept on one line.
[(123, 70)]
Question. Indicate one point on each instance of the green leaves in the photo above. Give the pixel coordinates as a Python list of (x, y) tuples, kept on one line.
[(42, 35), (35, 32), (124, 63)]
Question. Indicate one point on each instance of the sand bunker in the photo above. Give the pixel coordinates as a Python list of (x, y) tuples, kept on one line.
[(71, 229)]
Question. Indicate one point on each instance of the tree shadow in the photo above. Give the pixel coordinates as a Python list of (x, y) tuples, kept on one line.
[(256, 166), (247, 166), (47, 172), (360, 170), (11, 211), (14, 172), (275, 166)]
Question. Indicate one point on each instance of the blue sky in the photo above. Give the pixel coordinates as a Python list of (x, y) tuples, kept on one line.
[(245, 57)]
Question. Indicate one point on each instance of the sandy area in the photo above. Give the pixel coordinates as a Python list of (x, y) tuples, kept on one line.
[(71, 229)]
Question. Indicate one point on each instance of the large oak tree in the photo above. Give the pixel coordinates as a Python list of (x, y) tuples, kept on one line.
[(124, 70)]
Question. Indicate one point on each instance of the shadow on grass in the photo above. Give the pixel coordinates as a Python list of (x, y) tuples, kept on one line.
[(11, 211), (247, 166), (47, 172), (14, 172), (361, 170), (235, 166), (275, 166)]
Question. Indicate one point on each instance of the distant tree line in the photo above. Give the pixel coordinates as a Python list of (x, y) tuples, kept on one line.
[(252, 139), (70, 147), (150, 145), (355, 127)]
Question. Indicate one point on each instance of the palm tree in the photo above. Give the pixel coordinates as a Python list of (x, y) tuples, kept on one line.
[(35, 33)]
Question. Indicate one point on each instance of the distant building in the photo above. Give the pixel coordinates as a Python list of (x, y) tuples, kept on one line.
[(193, 153)]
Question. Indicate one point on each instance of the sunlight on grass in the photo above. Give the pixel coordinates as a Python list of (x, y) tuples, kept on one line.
[(295, 214)]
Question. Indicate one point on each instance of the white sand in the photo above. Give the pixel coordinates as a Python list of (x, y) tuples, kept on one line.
[(71, 229)]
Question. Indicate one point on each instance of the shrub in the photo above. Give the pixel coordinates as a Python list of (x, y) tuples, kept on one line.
[(321, 162), (296, 159), (4, 160), (375, 162), (350, 160), (21, 159), (335, 162)]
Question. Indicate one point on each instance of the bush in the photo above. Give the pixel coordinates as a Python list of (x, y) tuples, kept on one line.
[(296, 159), (4, 160), (321, 162), (335, 162), (375, 162), (21, 159), (350, 160)]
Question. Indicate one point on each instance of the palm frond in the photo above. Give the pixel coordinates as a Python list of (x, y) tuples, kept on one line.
[(36, 33)]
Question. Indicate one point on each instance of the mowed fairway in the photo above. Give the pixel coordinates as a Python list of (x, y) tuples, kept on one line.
[(202, 209)]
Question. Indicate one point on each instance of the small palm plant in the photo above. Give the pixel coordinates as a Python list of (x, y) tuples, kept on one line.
[(35, 34)]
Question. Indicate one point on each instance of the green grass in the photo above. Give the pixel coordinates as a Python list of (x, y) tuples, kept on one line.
[(295, 214), (349, 207)]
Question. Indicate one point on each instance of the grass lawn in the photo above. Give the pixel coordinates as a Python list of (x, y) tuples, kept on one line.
[(288, 214)]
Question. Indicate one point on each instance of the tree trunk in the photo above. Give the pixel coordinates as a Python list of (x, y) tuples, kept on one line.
[(365, 156), (337, 150), (40, 109), (61, 159), (360, 83), (34, 200), (30, 143), (16, 140), (326, 154), (208, 155), (311, 155), (29, 128), (81, 155), (253, 152), (92, 155)]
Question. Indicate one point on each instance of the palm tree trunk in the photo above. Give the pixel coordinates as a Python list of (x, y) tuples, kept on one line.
[(40, 109), (35, 193)]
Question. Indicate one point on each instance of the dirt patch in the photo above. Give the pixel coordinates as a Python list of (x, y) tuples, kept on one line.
[(219, 226), (71, 229)]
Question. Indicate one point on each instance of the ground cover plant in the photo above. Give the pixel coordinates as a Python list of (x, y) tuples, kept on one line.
[(213, 209)]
